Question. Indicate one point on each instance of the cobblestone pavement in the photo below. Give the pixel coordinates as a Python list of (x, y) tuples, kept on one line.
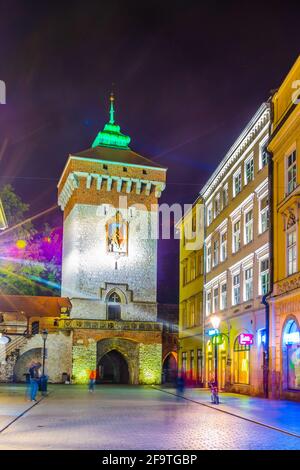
[(13, 402), (121, 417), (281, 414)]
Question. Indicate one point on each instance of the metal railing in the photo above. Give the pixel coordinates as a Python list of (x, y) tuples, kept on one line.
[(16, 343)]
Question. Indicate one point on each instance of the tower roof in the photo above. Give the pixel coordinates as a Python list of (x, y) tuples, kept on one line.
[(111, 136), (116, 155), (111, 145)]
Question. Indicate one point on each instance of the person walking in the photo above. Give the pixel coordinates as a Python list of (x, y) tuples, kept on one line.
[(92, 380), (34, 379)]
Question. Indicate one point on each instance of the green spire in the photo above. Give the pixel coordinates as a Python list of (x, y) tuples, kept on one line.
[(111, 135), (112, 110)]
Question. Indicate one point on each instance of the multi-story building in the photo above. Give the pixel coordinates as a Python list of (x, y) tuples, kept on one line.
[(190, 358), (236, 201), (285, 312)]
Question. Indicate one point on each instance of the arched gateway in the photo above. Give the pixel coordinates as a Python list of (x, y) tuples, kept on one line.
[(117, 361), (113, 368)]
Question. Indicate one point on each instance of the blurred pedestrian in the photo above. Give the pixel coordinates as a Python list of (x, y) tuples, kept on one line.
[(180, 384), (34, 379), (92, 380)]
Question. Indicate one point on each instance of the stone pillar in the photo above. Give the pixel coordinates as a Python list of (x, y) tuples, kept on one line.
[(84, 359), (150, 363)]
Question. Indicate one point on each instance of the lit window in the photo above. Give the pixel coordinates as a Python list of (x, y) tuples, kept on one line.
[(223, 246), (248, 284), (216, 252), (237, 183), (193, 268), (192, 313), (241, 357), (225, 196), (264, 276), (264, 214), (208, 259), (264, 158), (249, 170), (291, 252), (249, 226), (216, 299), (236, 289), (208, 303), (209, 214), (184, 362), (223, 296), (291, 172), (236, 236), (217, 205)]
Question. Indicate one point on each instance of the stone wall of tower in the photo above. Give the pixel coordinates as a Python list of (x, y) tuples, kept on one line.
[(89, 273)]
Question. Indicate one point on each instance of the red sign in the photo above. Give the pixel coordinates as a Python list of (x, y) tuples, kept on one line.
[(245, 339)]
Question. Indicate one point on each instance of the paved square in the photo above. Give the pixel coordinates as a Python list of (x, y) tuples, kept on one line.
[(123, 417)]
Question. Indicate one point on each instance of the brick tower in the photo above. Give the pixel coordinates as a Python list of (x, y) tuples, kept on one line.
[(108, 194)]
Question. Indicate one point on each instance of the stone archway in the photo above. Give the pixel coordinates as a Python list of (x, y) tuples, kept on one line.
[(127, 349), (169, 369), (23, 363), (113, 368)]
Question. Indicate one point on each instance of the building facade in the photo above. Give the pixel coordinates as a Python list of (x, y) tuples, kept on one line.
[(284, 147), (236, 201), (190, 360)]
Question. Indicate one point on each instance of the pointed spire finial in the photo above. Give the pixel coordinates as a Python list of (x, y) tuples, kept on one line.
[(111, 136), (112, 110)]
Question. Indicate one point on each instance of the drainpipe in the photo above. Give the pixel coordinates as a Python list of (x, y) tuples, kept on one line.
[(266, 345), (266, 297)]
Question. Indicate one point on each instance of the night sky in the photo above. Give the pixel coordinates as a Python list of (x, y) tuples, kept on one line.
[(187, 77)]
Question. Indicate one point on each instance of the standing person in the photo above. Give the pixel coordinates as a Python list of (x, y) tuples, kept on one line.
[(34, 379), (92, 380)]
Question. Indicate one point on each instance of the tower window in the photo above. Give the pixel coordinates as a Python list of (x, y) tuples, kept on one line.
[(124, 168), (144, 172), (114, 307), (104, 167)]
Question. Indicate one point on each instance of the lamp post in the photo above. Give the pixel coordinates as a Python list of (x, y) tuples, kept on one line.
[(44, 336), (215, 321)]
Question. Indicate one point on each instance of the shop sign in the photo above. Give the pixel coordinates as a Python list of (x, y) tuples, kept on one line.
[(213, 332), (245, 339)]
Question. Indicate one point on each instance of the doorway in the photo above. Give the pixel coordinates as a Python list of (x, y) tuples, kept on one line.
[(113, 369)]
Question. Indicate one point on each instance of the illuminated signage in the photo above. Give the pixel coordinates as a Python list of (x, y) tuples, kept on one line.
[(292, 338), (213, 332), (245, 339)]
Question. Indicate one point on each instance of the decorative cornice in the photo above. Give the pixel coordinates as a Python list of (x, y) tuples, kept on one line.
[(259, 120), (72, 183)]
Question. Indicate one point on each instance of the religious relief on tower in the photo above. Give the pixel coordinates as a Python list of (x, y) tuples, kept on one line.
[(117, 235)]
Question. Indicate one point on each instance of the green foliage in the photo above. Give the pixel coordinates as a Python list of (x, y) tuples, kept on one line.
[(16, 212), (36, 269)]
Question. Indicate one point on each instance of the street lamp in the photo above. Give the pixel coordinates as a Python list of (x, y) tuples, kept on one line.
[(44, 336), (215, 321)]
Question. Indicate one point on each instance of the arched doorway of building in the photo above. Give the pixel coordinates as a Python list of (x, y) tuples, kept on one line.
[(169, 369), (113, 368), (291, 356), (114, 307), (23, 363)]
